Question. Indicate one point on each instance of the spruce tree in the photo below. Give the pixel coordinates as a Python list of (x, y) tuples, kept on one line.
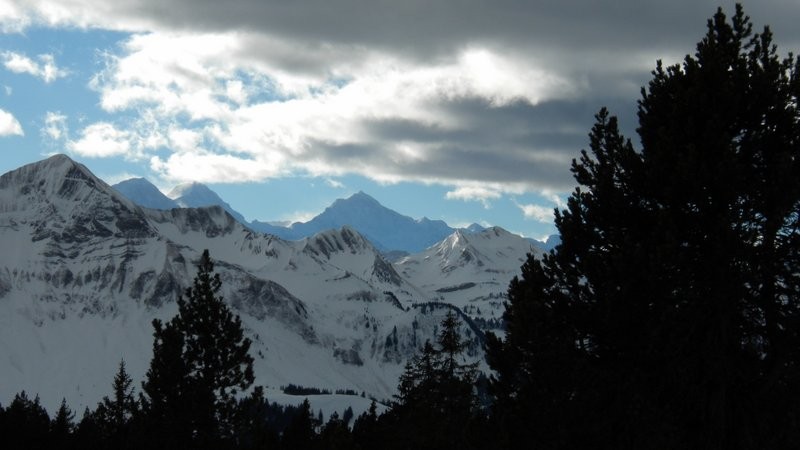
[(121, 408), (335, 434), (200, 363), (26, 423), (300, 434), (366, 434), (435, 404), (62, 426), (167, 399), (668, 315), (253, 427), (114, 415), (87, 434)]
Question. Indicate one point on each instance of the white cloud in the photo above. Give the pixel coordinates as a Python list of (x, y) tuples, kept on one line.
[(100, 140), (9, 125), (297, 216), (13, 18), (184, 140), (482, 194), (539, 213), (45, 68), (237, 94), (334, 183), (210, 168), (55, 126), (8, 90)]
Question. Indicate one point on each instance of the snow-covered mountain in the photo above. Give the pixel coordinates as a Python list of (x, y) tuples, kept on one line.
[(552, 242), (470, 270), (144, 193), (394, 234), (386, 229), (198, 195), (84, 271)]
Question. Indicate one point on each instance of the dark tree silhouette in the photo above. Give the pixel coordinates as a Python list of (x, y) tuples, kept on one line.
[(668, 316), (62, 426), (300, 434), (114, 415), (200, 362), (436, 402), (26, 424)]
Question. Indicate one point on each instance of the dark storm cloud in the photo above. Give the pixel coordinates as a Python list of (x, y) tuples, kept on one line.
[(518, 144), (429, 28), (577, 55)]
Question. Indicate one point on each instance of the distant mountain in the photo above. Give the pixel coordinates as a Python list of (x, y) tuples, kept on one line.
[(470, 270), (198, 195), (144, 193), (85, 270), (475, 228), (387, 229), (393, 234), (552, 242)]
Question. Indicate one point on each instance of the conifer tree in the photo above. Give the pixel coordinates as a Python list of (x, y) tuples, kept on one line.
[(167, 400), (62, 426), (667, 317), (253, 429), (114, 415), (366, 433), (121, 408), (88, 433), (300, 434), (200, 362), (435, 404), (335, 434), (26, 422)]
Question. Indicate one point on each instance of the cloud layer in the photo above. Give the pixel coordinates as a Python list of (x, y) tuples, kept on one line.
[(485, 98)]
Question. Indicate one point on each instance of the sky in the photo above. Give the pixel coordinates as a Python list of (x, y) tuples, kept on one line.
[(460, 110)]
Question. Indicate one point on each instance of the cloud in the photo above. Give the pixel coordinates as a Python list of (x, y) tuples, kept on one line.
[(13, 17), (474, 193), (55, 126), (336, 184), (415, 28), (486, 101), (100, 140), (210, 168), (384, 118), (539, 213), (296, 216), (45, 68), (9, 125)]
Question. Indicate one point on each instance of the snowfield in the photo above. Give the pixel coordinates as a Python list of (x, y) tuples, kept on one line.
[(84, 271)]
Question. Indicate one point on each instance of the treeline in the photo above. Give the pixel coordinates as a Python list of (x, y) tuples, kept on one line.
[(294, 389), (200, 363), (25, 424)]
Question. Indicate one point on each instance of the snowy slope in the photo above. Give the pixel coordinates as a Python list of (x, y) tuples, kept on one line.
[(144, 193), (469, 270), (84, 271), (198, 195)]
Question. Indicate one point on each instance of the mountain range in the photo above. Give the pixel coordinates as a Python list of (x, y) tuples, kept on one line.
[(392, 233), (85, 270)]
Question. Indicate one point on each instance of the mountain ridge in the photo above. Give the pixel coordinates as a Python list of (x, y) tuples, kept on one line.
[(394, 234), (144, 193), (85, 271)]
